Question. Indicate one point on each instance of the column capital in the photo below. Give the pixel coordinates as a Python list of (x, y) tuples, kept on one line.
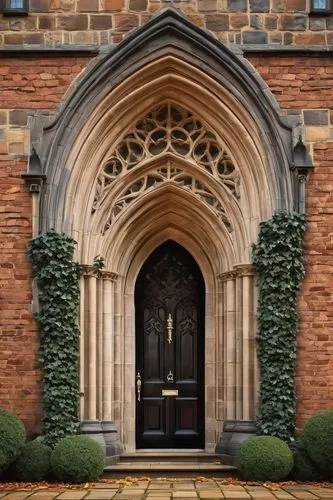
[(237, 271), (99, 273)]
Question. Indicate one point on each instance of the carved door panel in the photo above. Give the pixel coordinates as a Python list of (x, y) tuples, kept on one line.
[(169, 299)]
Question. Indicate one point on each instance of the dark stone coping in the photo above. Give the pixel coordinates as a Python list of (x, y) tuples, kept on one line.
[(61, 50), (94, 50)]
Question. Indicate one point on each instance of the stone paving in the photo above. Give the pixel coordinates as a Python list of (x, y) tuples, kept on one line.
[(180, 489)]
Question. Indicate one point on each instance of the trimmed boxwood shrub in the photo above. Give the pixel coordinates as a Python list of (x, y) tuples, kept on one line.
[(34, 463), (77, 459), (317, 439), (264, 458), (304, 468), (12, 438)]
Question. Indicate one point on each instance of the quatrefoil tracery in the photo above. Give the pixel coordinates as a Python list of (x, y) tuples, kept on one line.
[(168, 128)]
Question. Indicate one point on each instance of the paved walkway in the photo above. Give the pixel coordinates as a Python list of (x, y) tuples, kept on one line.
[(180, 489)]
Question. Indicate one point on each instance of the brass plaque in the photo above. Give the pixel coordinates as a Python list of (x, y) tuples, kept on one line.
[(169, 392)]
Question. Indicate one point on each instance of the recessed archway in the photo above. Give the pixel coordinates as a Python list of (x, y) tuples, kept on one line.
[(169, 136)]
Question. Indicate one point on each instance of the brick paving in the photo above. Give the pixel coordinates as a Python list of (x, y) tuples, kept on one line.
[(180, 489)]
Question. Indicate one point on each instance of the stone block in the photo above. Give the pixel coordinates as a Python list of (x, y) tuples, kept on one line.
[(101, 22), (34, 39), (218, 22), (316, 117), (288, 38), (239, 20), (257, 21), (39, 5), (293, 22), (72, 22), (296, 5), (259, 5), (88, 5), (138, 5), (254, 37), (62, 4), (126, 22), (317, 24), (237, 5), (3, 117), (310, 39), (271, 21), (316, 134), (13, 39), (207, 5), (18, 117), (114, 5), (46, 22)]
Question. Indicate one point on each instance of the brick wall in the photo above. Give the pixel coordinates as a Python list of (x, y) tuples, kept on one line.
[(101, 22), (301, 85), (306, 83), (26, 85)]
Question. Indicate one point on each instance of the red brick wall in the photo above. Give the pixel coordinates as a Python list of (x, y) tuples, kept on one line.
[(25, 84), (300, 83), (39, 84)]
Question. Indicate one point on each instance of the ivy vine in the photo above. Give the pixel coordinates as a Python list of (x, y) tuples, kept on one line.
[(59, 294), (279, 262)]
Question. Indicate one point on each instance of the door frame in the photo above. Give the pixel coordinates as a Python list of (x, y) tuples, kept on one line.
[(125, 356)]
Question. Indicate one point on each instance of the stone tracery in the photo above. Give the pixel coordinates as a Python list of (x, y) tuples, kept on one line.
[(168, 128), (175, 176)]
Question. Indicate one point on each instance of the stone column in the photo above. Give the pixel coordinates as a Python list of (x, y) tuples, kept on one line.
[(91, 425), (97, 359), (229, 345), (245, 277)]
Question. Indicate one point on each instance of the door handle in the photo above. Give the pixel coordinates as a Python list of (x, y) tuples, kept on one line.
[(138, 385), (169, 328)]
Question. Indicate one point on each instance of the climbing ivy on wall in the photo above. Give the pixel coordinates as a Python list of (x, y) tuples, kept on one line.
[(279, 262), (59, 294)]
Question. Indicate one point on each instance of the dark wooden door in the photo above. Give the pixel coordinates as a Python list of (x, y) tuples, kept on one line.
[(170, 305)]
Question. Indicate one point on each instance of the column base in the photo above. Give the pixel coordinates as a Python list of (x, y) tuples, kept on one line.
[(106, 434), (234, 433)]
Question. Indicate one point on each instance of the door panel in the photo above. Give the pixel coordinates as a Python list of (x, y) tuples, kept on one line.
[(169, 302)]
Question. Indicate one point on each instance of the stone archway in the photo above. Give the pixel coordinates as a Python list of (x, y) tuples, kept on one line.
[(170, 136)]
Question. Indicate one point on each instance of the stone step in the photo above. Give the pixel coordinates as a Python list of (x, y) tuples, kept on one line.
[(178, 464), (171, 456)]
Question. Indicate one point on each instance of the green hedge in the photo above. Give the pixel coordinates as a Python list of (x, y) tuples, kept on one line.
[(34, 462), (317, 439), (12, 438), (77, 459), (264, 458), (304, 468), (279, 262)]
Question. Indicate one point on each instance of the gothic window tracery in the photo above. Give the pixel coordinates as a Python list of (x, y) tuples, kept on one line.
[(168, 128)]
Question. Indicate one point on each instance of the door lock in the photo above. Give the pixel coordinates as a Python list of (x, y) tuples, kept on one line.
[(170, 377)]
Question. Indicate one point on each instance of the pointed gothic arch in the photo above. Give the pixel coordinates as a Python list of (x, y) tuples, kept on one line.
[(171, 135)]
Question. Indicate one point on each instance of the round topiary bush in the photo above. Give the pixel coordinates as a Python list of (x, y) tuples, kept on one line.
[(12, 438), (34, 463), (304, 468), (317, 439), (77, 459), (264, 458)]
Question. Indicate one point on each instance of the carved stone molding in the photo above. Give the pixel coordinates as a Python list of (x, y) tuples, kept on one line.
[(99, 273), (237, 271), (167, 175)]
